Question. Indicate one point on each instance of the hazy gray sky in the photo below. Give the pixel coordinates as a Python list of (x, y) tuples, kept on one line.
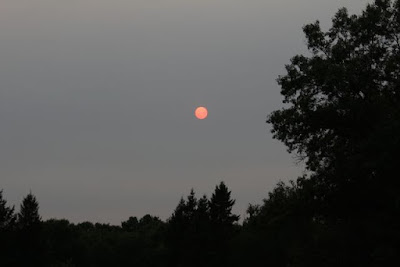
[(97, 100)]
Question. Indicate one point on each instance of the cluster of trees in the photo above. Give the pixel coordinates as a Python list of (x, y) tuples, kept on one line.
[(19, 232), (200, 230), (342, 117), (197, 233)]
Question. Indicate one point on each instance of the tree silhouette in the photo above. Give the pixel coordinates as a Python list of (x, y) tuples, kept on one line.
[(222, 223), (202, 216), (221, 207), (28, 216), (199, 229), (7, 236), (7, 216), (181, 232), (342, 118), (29, 229), (190, 207), (202, 235), (343, 108), (131, 224)]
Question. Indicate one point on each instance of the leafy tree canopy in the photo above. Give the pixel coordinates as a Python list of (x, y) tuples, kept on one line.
[(347, 92), (343, 102)]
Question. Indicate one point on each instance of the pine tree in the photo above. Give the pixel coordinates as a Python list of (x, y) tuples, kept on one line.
[(178, 217), (221, 224), (28, 217), (202, 236), (203, 211), (7, 223), (179, 236), (7, 216), (29, 233), (221, 207), (184, 213), (191, 206)]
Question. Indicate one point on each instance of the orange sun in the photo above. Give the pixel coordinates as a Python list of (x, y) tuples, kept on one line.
[(201, 113)]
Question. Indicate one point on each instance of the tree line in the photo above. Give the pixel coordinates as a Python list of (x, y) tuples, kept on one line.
[(197, 233), (341, 118)]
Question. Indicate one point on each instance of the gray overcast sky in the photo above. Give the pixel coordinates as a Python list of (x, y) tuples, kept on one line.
[(97, 100)]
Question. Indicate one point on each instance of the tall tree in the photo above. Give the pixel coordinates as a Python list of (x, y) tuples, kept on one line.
[(343, 107), (202, 212), (7, 227), (29, 229), (222, 222), (191, 206), (7, 216), (202, 236), (342, 117), (28, 217), (181, 232), (221, 206)]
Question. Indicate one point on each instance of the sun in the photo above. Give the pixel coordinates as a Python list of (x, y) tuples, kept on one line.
[(201, 113)]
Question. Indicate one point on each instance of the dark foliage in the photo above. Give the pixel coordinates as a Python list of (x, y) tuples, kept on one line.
[(7, 227), (183, 241), (342, 118), (199, 229), (343, 114), (28, 234), (7, 216)]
